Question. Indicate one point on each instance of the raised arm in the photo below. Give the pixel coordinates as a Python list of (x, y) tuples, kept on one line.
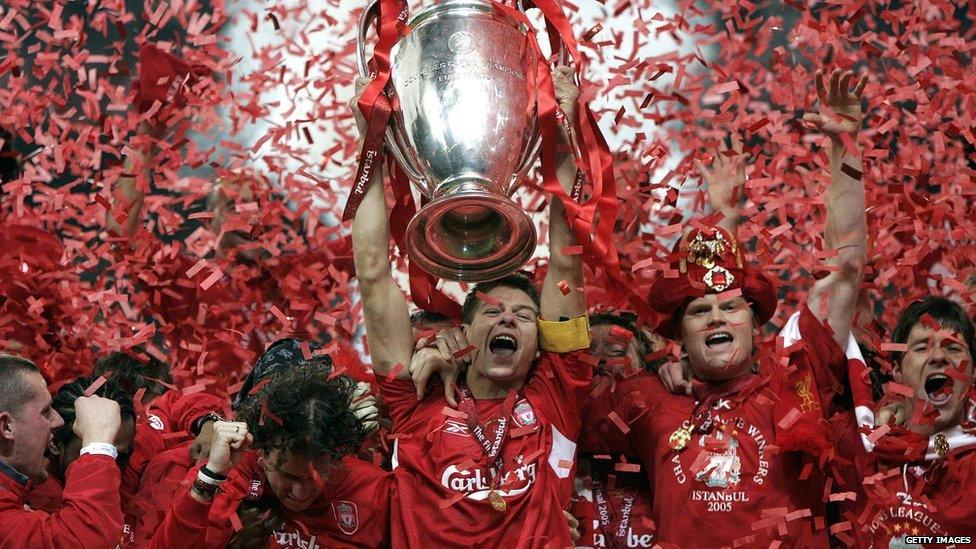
[(384, 307), (130, 189), (834, 297), (724, 179), (563, 267)]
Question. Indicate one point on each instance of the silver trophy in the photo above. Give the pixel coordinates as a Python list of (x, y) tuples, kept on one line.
[(464, 130)]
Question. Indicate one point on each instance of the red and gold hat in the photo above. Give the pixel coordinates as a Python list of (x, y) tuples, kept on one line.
[(709, 261)]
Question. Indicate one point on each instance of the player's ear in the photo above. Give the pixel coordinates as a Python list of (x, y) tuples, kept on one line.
[(896, 371)]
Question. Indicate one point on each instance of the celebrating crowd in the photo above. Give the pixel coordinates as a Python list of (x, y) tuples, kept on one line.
[(540, 415)]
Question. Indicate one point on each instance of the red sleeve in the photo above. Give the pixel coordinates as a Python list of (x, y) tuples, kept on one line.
[(90, 517), (189, 521), (400, 398), (562, 382), (826, 358), (46, 496), (185, 524), (181, 410), (147, 444), (162, 480), (171, 296)]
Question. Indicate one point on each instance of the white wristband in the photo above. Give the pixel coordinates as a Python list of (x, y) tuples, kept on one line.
[(205, 478), (101, 449)]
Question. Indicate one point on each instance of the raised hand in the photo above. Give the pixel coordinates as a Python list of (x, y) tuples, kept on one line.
[(567, 92), (674, 376), (364, 406), (200, 449), (725, 177), (840, 106), (441, 358), (231, 439), (97, 419)]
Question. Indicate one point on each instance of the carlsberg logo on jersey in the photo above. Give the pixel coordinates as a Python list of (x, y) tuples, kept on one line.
[(476, 483)]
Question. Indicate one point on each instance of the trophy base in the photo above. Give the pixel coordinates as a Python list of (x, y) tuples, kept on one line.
[(471, 237)]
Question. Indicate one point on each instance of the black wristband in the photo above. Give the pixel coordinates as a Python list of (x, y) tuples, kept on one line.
[(216, 476)]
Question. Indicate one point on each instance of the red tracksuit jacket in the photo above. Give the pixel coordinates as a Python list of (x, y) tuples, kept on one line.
[(90, 517), (352, 511)]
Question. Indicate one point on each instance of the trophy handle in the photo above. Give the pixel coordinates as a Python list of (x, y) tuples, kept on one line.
[(394, 142), (532, 151), (564, 58), (370, 13)]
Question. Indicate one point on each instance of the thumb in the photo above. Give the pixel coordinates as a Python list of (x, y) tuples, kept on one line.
[(813, 118), (883, 416)]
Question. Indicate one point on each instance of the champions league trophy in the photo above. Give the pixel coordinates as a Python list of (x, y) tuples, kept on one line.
[(464, 130)]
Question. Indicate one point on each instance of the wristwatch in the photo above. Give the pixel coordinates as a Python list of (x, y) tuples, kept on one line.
[(204, 489), (197, 424)]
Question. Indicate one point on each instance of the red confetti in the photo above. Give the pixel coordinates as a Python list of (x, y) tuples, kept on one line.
[(564, 287), (464, 352), (487, 299), (95, 385)]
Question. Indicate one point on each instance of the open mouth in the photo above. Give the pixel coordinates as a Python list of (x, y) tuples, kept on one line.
[(938, 389), (718, 339), (503, 345), (51, 449)]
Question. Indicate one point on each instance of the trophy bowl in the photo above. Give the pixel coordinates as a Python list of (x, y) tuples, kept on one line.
[(464, 130)]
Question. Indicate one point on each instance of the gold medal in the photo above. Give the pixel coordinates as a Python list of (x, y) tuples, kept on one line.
[(497, 502), (680, 437)]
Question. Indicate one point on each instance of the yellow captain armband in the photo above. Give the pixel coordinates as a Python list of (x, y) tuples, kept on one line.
[(564, 336)]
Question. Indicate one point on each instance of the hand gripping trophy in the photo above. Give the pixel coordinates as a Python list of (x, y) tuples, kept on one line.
[(464, 129)]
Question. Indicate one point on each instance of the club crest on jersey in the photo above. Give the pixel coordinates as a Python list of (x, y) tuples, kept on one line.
[(523, 414), (807, 401), (722, 467), (155, 422), (347, 516)]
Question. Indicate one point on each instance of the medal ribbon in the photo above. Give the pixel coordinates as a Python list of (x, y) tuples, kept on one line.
[(374, 103), (609, 528), (492, 449), (595, 163)]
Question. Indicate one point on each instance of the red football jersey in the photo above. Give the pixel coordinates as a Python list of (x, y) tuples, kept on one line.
[(440, 470), (886, 501), (731, 484), (352, 511), (928, 499)]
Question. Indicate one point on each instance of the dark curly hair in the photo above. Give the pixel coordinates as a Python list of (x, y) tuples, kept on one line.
[(132, 373), (515, 281), (303, 412)]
